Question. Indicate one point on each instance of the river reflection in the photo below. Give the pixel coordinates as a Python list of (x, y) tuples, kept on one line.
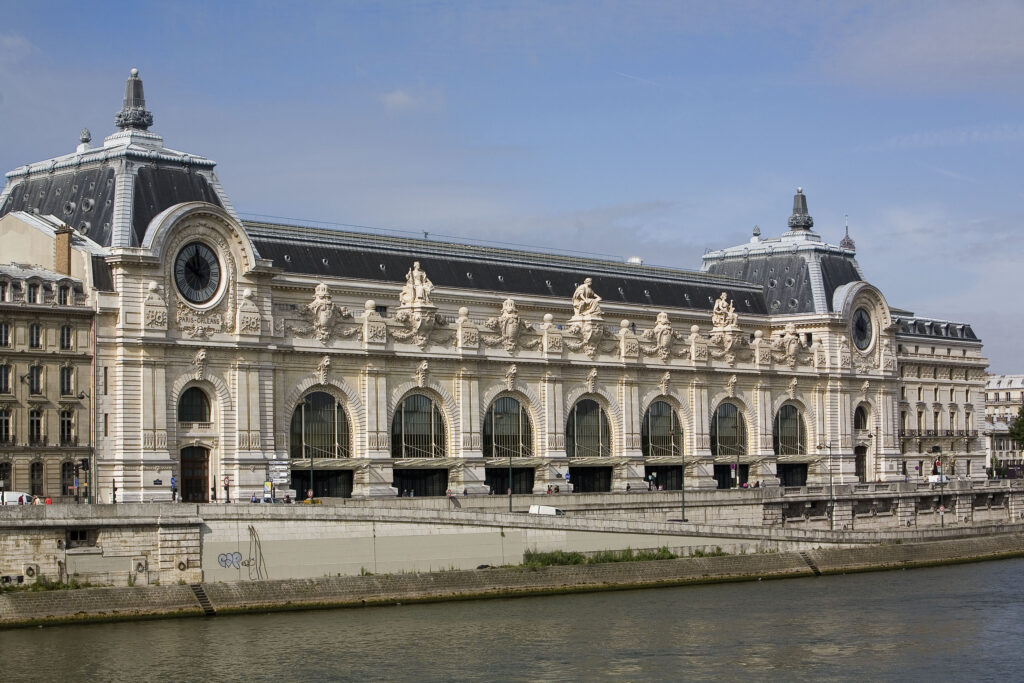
[(961, 622)]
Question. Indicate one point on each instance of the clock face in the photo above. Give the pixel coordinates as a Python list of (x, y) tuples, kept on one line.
[(197, 272), (861, 329)]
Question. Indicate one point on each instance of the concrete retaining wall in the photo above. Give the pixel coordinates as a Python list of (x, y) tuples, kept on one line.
[(92, 604)]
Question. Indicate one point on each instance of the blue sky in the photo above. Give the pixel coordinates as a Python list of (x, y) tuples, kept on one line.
[(656, 129)]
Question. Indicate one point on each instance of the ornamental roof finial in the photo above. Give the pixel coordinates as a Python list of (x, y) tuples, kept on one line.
[(846, 242), (800, 220), (133, 113)]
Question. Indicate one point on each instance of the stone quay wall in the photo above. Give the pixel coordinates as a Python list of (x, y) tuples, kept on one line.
[(141, 544), (99, 604)]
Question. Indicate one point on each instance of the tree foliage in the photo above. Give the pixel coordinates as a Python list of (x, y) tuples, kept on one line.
[(1017, 427)]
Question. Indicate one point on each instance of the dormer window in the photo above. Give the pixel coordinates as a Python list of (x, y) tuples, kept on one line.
[(32, 294), (64, 295), (4, 288)]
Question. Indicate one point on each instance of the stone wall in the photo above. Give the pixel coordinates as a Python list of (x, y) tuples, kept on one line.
[(94, 604)]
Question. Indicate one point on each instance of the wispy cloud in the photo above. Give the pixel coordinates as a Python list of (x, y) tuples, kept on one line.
[(966, 135), (404, 99), (14, 48), (645, 81), (941, 45)]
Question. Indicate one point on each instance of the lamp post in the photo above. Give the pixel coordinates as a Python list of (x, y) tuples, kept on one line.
[(308, 447), (682, 476), (831, 488), (82, 395), (494, 436)]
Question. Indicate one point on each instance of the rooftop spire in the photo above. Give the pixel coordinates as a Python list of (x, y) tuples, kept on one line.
[(800, 220), (846, 242), (133, 114)]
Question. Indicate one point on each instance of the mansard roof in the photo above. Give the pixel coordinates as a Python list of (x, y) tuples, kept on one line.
[(926, 327), (797, 271), (336, 253), (111, 193)]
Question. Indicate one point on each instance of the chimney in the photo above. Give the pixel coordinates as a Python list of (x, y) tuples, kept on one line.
[(64, 233)]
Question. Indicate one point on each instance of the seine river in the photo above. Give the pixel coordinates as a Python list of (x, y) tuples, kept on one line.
[(951, 623)]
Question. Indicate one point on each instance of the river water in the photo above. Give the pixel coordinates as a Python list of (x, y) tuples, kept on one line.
[(964, 622)]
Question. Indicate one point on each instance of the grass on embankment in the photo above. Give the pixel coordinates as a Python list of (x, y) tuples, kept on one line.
[(533, 559)]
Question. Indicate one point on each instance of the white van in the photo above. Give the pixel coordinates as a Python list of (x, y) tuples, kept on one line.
[(545, 510), (938, 479), (11, 498)]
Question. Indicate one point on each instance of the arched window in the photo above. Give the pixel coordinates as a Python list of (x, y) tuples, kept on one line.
[(587, 433), (417, 430), (194, 406), (35, 478), (860, 418), (728, 431), (507, 430), (320, 428), (660, 433), (67, 479), (789, 436)]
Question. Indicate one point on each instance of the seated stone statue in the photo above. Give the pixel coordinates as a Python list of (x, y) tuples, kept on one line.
[(585, 301)]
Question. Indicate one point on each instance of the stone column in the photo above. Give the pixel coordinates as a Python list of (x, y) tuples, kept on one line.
[(374, 478), (551, 438), (470, 476), (701, 473), (631, 471)]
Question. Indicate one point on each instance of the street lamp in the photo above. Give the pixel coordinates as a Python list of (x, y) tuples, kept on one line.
[(494, 434), (682, 476), (308, 447), (82, 395), (831, 488)]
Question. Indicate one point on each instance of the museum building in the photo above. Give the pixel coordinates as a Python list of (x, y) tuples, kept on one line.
[(226, 353)]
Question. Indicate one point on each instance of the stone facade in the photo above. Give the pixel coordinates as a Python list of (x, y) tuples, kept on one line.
[(230, 353), (46, 360)]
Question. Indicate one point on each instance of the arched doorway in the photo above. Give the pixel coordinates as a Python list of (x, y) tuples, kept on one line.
[(507, 435), (729, 442), (195, 475), (789, 440), (418, 431), (321, 437)]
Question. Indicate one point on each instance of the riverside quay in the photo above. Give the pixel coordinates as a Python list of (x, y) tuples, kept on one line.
[(153, 344)]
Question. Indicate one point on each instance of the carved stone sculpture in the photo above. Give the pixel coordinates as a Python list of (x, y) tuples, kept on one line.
[(199, 364), (155, 308), (417, 287), (724, 315), (248, 314), (509, 327), (657, 341), (789, 347), (585, 301)]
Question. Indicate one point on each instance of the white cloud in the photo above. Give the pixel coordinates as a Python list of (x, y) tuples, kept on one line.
[(949, 45), (14, 48), (404, 99)]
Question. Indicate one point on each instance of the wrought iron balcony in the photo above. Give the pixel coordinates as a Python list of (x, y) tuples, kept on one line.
[(69, 441), (9, 440), (37, 442)]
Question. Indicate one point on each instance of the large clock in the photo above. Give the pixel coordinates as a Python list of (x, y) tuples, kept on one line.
[(861, 329), (197, 272)]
